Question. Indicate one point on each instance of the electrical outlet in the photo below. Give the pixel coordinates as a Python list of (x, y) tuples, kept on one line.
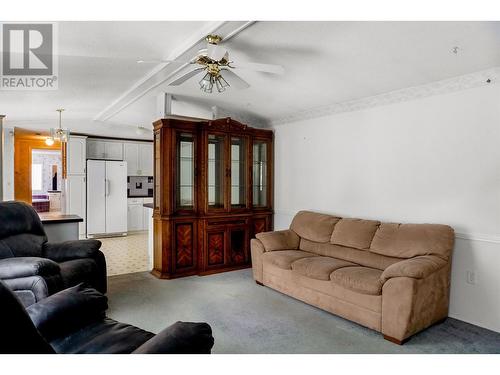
[(471, 277)]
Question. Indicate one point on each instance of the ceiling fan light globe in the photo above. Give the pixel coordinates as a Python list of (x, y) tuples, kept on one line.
[(49, 141), (220, 88), (207, 87), (205, 81), (221, 84)]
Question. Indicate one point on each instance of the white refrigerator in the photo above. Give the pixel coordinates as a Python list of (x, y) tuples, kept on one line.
[(106, 198)]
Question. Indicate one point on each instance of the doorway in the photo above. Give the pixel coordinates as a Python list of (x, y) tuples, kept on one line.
[(46, 180), (34, 170)]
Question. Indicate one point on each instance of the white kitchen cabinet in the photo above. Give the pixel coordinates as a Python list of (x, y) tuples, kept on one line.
[(139, 158), (77, 199), (131, 156), (95, 149), (146, 216), (147, 213), (113, 150), (138, 216), (135, 217), (74, 191), (102, 149), (76, 155), (146, 159)]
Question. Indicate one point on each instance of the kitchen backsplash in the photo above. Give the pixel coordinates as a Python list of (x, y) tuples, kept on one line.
[(140, 186)]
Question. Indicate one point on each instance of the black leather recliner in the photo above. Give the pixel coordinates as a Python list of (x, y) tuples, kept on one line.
[(74, 321), (35, 268)]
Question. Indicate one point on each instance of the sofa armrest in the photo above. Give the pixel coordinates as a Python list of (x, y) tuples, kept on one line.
[(256, 252), (11, 268), (411, 304), (68, 250), (180, 338), (418, 268), (279, 240), (67, 311)]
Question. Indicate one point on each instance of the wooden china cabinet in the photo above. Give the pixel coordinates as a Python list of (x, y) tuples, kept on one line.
[(213, 193)]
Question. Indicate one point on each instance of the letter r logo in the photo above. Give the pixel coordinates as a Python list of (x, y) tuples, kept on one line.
[(27, 49)]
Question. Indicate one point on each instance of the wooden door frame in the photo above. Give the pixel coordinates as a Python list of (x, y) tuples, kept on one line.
[(23, 147)]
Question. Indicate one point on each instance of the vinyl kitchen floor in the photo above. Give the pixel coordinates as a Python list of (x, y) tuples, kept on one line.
[(126, 254)]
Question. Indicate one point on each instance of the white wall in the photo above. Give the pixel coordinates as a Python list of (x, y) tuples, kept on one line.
[(183, 108), (434, 160)]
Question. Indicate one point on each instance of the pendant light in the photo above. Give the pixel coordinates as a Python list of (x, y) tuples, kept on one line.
[(58, 134)]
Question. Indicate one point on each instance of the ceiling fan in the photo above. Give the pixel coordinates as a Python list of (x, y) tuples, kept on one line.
[(214, 61)]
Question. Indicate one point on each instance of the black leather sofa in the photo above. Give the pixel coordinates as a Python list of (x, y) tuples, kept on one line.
[(35, 268), (74, 321)]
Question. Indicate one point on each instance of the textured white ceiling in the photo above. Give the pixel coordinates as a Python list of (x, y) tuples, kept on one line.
[(325, 63)]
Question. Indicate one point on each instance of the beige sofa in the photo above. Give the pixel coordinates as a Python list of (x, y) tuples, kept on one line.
[(393, 278)]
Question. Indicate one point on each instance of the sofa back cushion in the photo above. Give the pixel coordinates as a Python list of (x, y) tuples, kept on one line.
[(361, 257), (410, 240), (17, 218), (5, 250), (21, 230), (357, 233), (22, 245), (314, 226)]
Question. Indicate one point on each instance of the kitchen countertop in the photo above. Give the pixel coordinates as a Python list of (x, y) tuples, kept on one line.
[(148, 205), (58, 218)]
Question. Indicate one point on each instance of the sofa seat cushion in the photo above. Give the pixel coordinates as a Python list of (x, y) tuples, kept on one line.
[(349, 254), (359, 279), (316, 292), (284, 258), (319, 267)]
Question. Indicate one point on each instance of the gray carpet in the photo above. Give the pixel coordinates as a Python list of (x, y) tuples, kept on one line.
[(247, 318)]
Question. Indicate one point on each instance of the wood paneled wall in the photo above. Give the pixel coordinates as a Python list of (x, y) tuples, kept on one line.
[(24, 143)]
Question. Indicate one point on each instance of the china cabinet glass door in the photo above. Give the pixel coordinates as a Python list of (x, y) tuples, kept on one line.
[(259, 173), (238, 172), (185, 171), (216, 171)]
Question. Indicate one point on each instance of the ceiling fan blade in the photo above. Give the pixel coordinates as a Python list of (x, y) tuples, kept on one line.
[(185, 77), (267, 68), (215, 51), (225, 59), (234, 80), (176, 62)]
